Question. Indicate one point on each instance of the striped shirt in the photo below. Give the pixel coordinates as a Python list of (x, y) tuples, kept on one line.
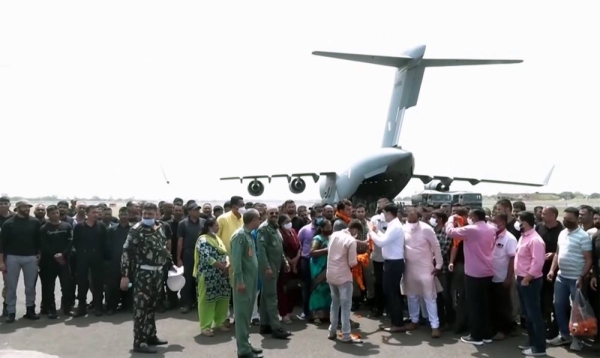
[(571, 246)]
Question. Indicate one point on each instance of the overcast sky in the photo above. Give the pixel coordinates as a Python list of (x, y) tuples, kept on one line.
[(96, 96)]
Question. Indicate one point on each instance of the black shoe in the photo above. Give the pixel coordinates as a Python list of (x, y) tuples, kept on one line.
[(30, 314), (265, 330), (80, 311), (155, 341), (281, 334), (184, 309), (44, 311), (98, 312), (145, 348), (110, 312), (257, 350), (52, 314), (11, 318), (255, 321), (67, 310)]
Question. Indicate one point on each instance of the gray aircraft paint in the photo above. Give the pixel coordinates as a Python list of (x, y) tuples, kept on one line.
[(388, 170)]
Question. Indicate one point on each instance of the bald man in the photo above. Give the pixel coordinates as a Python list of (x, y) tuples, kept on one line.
[(328, 212), (245, 276), (40, 213)]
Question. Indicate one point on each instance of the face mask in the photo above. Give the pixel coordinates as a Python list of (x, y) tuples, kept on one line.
[(241, 211), (569, 224), (148, 222), (518, 225), (469, 221), (433, 222), (287, 226)]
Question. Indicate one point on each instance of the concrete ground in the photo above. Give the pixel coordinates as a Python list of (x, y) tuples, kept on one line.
[(95, 337)]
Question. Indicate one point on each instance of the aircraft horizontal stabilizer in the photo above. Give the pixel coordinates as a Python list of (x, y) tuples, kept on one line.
[(397, 61), (432, 62), (473, 181)]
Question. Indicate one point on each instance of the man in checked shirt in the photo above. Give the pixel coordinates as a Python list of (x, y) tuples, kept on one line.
[(438, 221)]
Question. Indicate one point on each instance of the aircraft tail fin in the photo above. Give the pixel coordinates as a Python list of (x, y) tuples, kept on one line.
[(410, 68), (450, 62)]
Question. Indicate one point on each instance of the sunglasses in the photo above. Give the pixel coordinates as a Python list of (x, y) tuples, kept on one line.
[(273, 213)]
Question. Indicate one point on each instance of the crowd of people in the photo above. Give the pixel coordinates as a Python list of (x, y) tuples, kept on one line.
[(476, 271)]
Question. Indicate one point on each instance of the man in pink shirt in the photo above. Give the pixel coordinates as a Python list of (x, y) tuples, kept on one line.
[(529, 265), (341, 257), (478, 240)]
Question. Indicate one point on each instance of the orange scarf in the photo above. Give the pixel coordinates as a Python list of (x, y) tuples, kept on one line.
[(363, 261), (343, 217)]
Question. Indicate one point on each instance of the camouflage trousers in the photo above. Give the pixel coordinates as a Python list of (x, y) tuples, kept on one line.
[(146, 292)]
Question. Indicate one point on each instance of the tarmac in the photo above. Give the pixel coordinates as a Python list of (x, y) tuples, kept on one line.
[(112, 336)]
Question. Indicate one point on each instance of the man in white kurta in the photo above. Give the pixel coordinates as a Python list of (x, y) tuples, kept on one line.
[(421, 247)]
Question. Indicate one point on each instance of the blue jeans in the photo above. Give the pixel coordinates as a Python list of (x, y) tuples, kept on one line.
[(564, 294), (530, 298), (341, 297)]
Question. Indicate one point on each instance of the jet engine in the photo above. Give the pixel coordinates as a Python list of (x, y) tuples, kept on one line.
[(437, 185), (297, 185), (256, 188)]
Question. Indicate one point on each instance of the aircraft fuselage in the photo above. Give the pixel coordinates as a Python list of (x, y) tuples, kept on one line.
[(383, 173)]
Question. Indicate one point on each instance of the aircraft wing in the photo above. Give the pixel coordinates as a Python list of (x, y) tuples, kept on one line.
[(474, 181), (288, 177)]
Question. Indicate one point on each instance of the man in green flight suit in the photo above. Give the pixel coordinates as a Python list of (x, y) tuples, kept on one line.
[(270, 261), (146, 250), (245, 280)]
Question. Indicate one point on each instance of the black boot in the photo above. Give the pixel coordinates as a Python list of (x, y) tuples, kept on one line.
[(30, 314), (281, 334), (11, 318), (265, 329), (155, 341), (144, 348)]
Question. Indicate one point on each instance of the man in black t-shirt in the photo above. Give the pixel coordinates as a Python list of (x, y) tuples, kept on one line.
[(56, 240), (5, 214), (549, 231)]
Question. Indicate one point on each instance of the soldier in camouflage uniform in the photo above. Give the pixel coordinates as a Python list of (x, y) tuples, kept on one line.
[(270, 261), (146, 246), (245, 279)]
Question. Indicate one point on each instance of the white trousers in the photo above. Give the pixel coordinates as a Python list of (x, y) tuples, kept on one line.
[(414, 308), (255, 314)]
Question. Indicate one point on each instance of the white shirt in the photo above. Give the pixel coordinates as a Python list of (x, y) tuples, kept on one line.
[(381, 225), (391, 242), (505, 247)]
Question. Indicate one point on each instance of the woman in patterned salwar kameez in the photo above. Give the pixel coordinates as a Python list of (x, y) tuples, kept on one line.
[(213, 279)]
